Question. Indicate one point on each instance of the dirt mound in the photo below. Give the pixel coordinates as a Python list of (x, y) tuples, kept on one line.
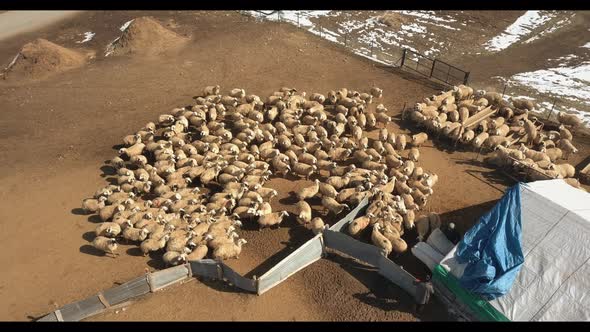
[(41, 58), (145, 36), (392, 20)]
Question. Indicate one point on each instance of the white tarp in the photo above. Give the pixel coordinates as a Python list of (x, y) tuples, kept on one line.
[(554, 282)]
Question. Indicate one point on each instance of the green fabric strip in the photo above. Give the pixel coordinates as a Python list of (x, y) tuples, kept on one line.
[(483, 309)]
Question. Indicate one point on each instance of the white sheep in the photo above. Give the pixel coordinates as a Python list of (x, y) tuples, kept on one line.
[(106, 245), (229, 250)]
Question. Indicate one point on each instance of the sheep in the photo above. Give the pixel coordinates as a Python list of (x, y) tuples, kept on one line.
[(133, 150), (379, 240), (569, 119), (108, 229), (304, 169), (173, 258), (554, 153), (317, 225), (359, 224), (107, 212), (531, 131), (376, 92), (106, 245), (478, 141), (494, 141), (400, 141), (198, 253), (229, 250), (434, 220), (503, 130), (564, 170), (327, 190), (92, 205), (565, 133), (522, 104), (419, 139), (333, 206), (398, 245), (422, 226), (567, 147), (211, 90), (153, 244), (414, 154), (272, 219), (135, 234), (303, 212)]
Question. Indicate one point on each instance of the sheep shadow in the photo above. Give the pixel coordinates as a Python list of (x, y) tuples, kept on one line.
[(107, 171), (90, 250), (89, 236), (220, 285), (111, 180), (79, 212), (157, 264), (466, 217), (384, 294), (136, 252), (95, 218), (298, 235)]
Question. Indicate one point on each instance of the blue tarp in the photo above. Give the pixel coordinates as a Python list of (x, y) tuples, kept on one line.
[(492, 249)]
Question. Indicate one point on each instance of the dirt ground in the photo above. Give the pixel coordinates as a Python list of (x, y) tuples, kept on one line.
[(56, 133)]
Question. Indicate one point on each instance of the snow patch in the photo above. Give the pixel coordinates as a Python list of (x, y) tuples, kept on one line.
[(125, 25), (87, 37), (523, 26)]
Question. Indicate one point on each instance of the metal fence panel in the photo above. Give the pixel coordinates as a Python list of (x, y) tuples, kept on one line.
[(136, 287), (163, 278), (305, 255), (237, 280), (337, 227), (207, 268), (77, 311), (362, 251), (397, 275)]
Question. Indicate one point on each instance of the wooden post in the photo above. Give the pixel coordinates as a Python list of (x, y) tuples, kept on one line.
[(404, 111), (371, 48), (345, 39), (504, 91), (553, 106), (466, 80), (403, 57), (298, 25), (432, 69)]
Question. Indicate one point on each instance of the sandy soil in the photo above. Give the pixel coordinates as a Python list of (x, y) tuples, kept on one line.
[(55, 134)]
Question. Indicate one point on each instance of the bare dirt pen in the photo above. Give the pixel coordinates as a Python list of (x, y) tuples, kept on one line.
[(55, 135)]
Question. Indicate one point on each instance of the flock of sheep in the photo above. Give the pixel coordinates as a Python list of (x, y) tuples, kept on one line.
[(486, 120), (185, 184)]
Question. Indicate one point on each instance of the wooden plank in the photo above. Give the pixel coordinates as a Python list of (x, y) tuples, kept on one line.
[(480, 116)]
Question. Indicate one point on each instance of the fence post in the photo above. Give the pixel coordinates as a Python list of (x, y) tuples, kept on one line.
[(466, 80), (404, 111), (432, 69), (503, 91), (371, 48), (403, 58), (345, 39), (279, 15), (551, 111), (298, 25)]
